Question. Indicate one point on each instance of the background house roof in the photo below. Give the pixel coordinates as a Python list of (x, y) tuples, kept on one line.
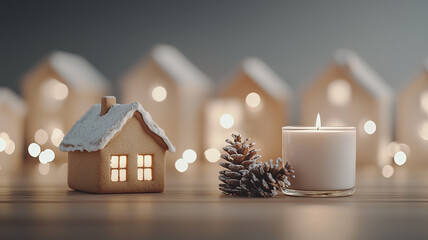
[(426, 65), (363, 74), (13, 101), (92, 132), (177, 66), (78, 72), (266, 78)]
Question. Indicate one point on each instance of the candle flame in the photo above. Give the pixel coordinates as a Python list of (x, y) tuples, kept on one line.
[(318, 122)]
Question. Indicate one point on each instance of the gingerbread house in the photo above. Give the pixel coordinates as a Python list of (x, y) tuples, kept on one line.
[(58, 91), (255, 102), (116, 148), (173, 90), (12, 117), (412, 120), (350, 93)]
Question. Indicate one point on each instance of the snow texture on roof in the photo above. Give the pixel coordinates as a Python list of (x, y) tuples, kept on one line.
[(78, 72), (264, 76), (13, 101), (93, 132), (177, 66), (363, 74)]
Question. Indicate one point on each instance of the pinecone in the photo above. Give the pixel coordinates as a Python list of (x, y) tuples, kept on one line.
[(239, 157), (264, 179)]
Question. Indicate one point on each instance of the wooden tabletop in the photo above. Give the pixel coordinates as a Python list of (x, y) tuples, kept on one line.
[(192, 208)]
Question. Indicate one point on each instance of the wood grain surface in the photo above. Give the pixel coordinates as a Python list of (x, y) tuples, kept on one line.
[(192, 208)]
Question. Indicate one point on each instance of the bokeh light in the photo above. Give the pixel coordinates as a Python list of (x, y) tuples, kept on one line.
[(212, 155), (34, 149), (387, 171), (339, 93), (370, 127), (46, 156), (226, 121), (41, 136), (159, 94), (424, 101), (190, 155), (57, 136), (253, 100), (423, 130), (10, 147), (44, 169), (400, 158), (55, 89), (2, 144), (181, 165)]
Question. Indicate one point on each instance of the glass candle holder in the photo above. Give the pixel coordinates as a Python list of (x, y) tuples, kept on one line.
[(323, 160)]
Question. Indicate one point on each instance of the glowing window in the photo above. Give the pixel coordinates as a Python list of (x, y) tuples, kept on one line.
[(339, 92), (118, 168), (144, 167)]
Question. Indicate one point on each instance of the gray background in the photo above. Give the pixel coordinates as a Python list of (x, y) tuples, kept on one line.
[(296, 38)]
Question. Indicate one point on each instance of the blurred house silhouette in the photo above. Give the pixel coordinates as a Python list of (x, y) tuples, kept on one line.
[(59, 90), (255, 102), (412, 119), (350, 93), (173, 90), (12, 118)]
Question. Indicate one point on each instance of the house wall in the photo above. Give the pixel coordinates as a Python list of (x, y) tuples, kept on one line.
[(371, 149), (84, 171), (262, 124), (409, 118), (130, 141)]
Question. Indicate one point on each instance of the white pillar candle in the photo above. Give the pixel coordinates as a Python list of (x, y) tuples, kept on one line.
[(323, 159)]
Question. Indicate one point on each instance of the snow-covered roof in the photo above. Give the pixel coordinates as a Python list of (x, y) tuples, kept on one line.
[(363, 74), (264, 76), (13, 101), (92, 132), (78, 72), (177, 66)]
